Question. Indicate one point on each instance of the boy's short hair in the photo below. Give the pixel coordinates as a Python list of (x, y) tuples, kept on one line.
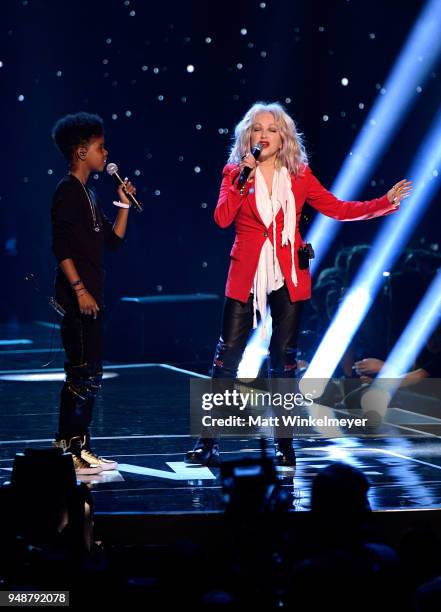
[(71, 131)]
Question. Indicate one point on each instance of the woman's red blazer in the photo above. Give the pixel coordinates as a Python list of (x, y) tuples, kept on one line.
[(251, 232)]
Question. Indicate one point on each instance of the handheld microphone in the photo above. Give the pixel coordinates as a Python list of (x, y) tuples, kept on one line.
[(112, 169), (255, 152)]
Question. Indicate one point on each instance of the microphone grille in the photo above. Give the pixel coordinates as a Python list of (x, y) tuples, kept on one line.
[(256, 150), (111, 169)]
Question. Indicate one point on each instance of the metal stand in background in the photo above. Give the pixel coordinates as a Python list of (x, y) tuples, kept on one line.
[(31, 277)]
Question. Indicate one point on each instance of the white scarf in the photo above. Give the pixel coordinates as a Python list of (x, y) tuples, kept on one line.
[(281, 197)]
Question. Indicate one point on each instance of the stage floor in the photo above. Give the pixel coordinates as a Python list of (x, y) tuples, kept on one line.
[(142, 421)]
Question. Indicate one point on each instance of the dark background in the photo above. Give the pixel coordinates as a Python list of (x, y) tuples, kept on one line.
[(64, 57)]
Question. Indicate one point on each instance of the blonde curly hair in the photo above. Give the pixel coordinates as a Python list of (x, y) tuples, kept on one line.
[(292, 154)]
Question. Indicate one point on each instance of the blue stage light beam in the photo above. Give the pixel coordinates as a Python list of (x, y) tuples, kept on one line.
[(409, 345), (396, 98), (255, 352), (407, 348), (386, 248)]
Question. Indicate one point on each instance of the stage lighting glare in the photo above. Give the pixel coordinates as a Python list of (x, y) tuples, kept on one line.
[(45, 377), (417, 332), (395, 100), (387, 247), (255, 353)]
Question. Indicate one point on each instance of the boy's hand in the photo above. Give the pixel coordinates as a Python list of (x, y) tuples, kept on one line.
[(87, 304), (126, 187)]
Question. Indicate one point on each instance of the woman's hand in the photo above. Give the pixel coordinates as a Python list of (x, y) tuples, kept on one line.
[(127, 187), (399, 191), (249, 161), (87, 303), (368, 366)]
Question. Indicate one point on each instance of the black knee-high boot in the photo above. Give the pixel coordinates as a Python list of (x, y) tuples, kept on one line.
[(283, 435), (225, 366), (77, 399)]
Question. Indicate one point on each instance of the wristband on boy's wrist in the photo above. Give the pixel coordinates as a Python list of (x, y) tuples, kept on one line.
[(77, 282), (121, 204)]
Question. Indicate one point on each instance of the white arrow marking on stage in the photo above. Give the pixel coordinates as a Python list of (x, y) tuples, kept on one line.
[(181, 471)]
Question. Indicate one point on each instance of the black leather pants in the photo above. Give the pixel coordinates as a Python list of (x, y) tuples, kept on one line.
[(82, 342), (237, 325)]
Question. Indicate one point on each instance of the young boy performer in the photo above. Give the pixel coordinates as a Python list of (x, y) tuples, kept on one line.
[(80, 231)]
